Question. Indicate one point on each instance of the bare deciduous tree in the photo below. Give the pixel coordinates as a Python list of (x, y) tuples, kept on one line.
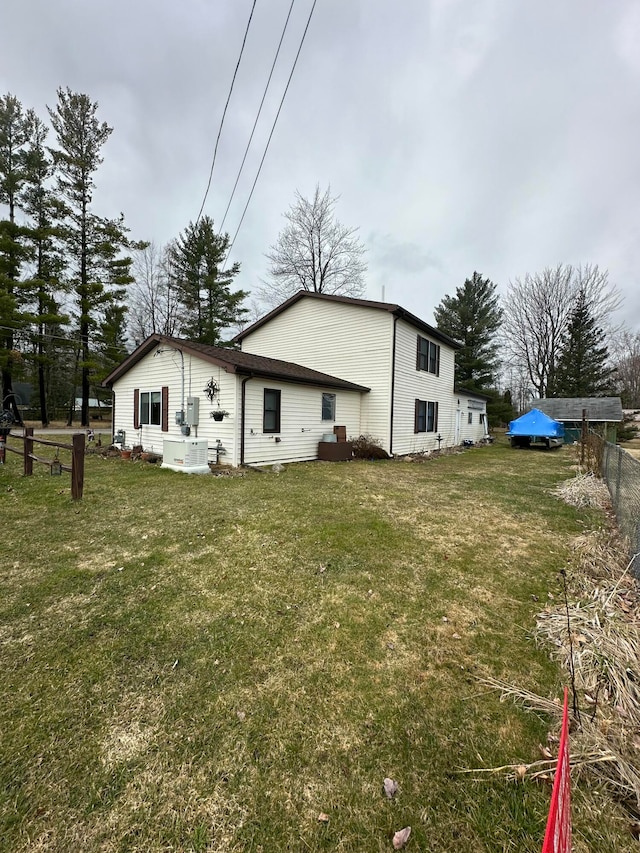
[(627, 368), (154, 303), (314, 252), (536, 313)]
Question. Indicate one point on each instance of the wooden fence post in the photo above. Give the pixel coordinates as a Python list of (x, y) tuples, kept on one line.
[(27, 451), (77, 466)]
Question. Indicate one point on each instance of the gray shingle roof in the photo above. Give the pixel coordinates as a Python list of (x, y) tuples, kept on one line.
[(608, 409)]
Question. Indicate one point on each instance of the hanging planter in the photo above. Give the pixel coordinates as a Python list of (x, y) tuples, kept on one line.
[(219, 414)]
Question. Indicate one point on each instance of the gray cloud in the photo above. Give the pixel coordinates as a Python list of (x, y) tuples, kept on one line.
[(459, 134)]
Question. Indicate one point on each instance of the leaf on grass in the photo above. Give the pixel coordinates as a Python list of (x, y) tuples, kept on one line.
[(545, 752), (390, 788), (323, 817), (401, 837), (521, 771)]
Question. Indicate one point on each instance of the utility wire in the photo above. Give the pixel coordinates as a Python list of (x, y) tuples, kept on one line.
[(275, 121), (224, 112), (253, 130)]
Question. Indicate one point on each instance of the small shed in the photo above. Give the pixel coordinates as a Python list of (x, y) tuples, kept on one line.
[(536, 428), (603, 414)]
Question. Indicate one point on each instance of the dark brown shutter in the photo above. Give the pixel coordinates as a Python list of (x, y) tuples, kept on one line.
[(136, 408), (438, 362), (435, 417), (165, 409), (415, 415)]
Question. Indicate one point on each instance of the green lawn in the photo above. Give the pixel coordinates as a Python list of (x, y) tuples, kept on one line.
[(209, 663)]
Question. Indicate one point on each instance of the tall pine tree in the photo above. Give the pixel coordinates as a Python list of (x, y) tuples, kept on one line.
[(97, 270), (208, 305), (13, 138), (42, 208), (472, 317), (582, 368)]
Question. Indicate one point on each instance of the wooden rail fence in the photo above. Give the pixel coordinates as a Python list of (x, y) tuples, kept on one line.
[(76, 469)]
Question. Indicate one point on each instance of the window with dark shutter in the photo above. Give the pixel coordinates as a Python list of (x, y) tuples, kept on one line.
[(136, 408), (165, 409)]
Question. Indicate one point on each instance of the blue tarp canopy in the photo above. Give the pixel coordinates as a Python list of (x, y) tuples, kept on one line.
[(536, 424)]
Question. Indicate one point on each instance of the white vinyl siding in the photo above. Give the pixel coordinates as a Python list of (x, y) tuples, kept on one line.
[(351, 342), (412, 384), (301, 424), (165, 369), (471, 413)]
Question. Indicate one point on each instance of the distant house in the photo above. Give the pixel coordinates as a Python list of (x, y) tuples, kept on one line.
[(602, 413), (314, 363)]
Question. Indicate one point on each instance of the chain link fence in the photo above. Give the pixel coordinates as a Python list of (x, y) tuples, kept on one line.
[(621, 472)]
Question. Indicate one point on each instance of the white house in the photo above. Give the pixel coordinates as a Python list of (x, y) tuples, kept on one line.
[(407, 364), (314, 362), (274, 411)]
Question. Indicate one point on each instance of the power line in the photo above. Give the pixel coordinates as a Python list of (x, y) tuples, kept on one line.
[(26, 333), (264, 95), (224, 112), (275, 121)]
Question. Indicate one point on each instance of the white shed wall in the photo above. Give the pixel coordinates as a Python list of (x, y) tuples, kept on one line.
[(463, 407), (348, 341)]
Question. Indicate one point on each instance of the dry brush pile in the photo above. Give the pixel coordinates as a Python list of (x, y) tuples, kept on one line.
[(594, 636)]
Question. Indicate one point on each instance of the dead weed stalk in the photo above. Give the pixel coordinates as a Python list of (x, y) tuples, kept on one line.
[(594, 636)]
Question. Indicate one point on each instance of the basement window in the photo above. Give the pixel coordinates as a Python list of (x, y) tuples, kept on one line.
[(150, 407)]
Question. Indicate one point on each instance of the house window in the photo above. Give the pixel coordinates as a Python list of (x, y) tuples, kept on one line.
[(271, 416), (426, 416), (470, 418), (150, 407), (328, 407), (428, 356), (482, 417)]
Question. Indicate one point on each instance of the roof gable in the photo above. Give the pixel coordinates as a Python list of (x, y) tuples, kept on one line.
[(391, 308), (233, 361)]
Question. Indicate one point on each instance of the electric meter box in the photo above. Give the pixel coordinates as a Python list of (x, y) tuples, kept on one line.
[(193, 411), (179, 418)]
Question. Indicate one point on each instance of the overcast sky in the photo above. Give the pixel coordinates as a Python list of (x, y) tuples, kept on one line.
[(494, 135)]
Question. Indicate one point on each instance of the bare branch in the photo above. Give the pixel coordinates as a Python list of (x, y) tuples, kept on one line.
[(314, 252)]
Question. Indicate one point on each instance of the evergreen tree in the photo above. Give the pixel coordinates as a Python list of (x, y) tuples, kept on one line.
[(500, 408), (97, 270), (582, 369), (39, 203), (203, 287), (13, 137), (472, 317)]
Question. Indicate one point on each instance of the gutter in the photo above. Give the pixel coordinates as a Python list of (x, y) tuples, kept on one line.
[(393, 383), (243, 397)]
